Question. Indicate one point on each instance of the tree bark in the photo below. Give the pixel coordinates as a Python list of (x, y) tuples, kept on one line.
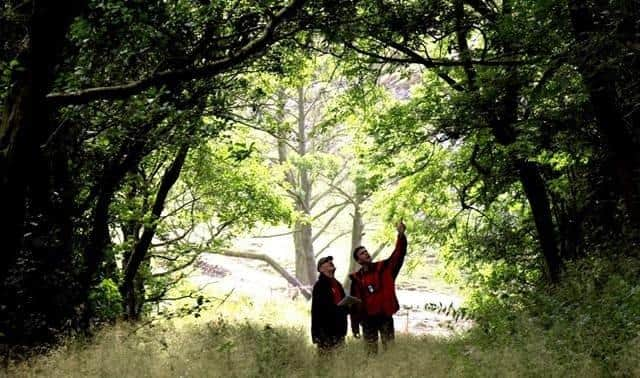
[(36, 220), (305, 268), (128, 158), (301, 192), (142, 246), (305, 258), (502, 119), (357, 231), (600, 76), (535, 189)]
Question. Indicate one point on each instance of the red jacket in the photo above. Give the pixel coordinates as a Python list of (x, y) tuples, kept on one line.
[(376, 287)]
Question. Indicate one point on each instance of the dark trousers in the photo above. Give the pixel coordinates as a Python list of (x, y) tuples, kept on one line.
[(373, 325), (327, 347)]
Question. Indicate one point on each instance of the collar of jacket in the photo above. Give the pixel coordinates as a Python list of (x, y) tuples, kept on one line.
[(322, 276), (372, 268)]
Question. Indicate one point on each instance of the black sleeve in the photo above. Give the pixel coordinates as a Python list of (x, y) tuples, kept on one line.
[(321, 303)]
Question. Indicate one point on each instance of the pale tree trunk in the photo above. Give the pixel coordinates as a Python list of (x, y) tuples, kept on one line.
[(357, 230), (301, 193), (305, 264)]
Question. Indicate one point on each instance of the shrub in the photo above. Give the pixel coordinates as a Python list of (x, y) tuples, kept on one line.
[(105, 301)]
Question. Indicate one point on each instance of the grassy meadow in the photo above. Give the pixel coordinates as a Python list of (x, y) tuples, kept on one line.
[(242, 338)]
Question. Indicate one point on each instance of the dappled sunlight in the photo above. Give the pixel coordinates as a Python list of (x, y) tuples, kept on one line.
[(186, 188), (263, 288)]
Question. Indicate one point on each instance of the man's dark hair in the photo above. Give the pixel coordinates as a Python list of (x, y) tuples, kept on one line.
[(356, 250)]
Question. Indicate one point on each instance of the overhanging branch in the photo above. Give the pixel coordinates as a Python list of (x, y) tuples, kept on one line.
[(262, 257), (253, 48)]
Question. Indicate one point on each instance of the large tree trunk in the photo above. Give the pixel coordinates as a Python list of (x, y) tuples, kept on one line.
[(25, 170), (37, 292), (131, 233), (600, 76), (305, 265), (134, 295), (533, 183), (17, 116), (301, 191), (128, 158)]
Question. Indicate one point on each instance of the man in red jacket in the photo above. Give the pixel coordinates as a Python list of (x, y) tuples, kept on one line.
[(374, 284)]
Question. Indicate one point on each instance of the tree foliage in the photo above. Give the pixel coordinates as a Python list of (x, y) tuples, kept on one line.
[(504, 133), (96, 97)]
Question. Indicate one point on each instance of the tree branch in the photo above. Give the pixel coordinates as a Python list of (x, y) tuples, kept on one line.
[(433, 63), (241, 121), (179, 267), (483, 9), (331, 242), (262, 257), (328, 223), (253, 48), (323, 212), (379, 249)]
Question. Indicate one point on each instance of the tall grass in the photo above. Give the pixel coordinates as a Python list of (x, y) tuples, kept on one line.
[(242, 339), (246, 350)]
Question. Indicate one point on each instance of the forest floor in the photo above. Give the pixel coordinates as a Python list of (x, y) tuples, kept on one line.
[(259, 327)]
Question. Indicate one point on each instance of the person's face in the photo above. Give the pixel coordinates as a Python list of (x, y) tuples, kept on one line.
[(363, 256), (327, 268)]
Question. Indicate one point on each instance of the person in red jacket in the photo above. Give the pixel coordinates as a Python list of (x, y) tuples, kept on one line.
[(374, 285)]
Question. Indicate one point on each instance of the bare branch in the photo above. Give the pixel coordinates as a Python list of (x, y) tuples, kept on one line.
[(328, 223), (162, 257), (258, 256), (346, 195), (379, 249), (276, 235), (180, 267), (328, 209), (414, 57), (166, 242), (326, 246), (333, 185), (190, 262), (379, 58), (191, 202), (244, 122), (165, 289)]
